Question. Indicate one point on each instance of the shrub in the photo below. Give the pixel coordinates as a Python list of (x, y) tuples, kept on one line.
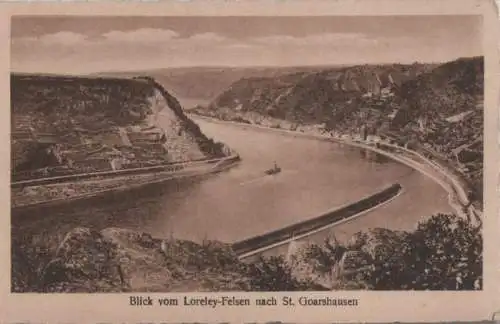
[(443, 253), (273, 274)]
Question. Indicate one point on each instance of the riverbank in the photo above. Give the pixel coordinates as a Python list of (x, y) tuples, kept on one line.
[(51, 192), (457, 196)]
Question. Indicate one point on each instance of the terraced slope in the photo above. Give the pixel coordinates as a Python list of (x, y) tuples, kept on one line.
[(63, 124)]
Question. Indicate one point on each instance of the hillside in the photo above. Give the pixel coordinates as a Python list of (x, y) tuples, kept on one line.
[(318, 96), (444, 111), (438, 106), (63, 124), (430, 257)]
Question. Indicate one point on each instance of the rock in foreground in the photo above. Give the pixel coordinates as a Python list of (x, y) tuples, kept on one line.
[(117, 260)]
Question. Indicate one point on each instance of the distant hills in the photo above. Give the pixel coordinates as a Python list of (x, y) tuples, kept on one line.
[(200, 85)]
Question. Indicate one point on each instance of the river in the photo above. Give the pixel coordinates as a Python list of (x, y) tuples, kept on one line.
[(241, 202)]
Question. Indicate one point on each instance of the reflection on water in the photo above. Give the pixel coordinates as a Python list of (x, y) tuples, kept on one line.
[(243, 202), (135, 209)]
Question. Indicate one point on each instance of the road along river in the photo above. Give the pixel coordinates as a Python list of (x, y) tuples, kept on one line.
[(240, 203)]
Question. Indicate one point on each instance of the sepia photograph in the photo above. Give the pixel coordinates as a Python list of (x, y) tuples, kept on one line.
[(246, 154)]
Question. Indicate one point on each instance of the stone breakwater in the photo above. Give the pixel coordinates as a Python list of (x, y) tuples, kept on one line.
[(253, 245)]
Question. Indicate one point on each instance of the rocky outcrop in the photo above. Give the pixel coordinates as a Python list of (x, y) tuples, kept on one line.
[(83, 262), (186, 125), (115, 260), (91, 121)]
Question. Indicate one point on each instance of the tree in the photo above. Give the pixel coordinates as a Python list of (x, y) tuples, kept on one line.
[(273, 274), (439, 251), (443, 253)]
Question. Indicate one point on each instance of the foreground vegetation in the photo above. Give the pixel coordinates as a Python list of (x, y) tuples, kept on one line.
[(442, 253)]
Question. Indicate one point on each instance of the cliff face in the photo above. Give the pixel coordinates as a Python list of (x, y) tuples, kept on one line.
[(83, 123)]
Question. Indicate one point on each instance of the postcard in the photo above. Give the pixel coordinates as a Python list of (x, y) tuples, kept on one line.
[(310, 162)]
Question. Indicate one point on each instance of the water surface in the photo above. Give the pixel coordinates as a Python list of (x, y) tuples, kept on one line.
[(242, 202)]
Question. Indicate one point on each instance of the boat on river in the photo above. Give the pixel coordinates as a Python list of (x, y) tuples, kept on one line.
[(274, 170)]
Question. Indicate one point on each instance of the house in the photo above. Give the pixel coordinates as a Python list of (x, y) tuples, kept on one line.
[(111, 137), (153, 136), (95, 164), (373, 138), (459, 117), (46, 138), (117, 163)]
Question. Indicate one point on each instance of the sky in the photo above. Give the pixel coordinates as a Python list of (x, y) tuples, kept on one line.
[(95, 44)]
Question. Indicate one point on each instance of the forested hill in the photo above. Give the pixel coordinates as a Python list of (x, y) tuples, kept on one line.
[(444, 111), (311, 97), (440, 105), (451, 88)]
